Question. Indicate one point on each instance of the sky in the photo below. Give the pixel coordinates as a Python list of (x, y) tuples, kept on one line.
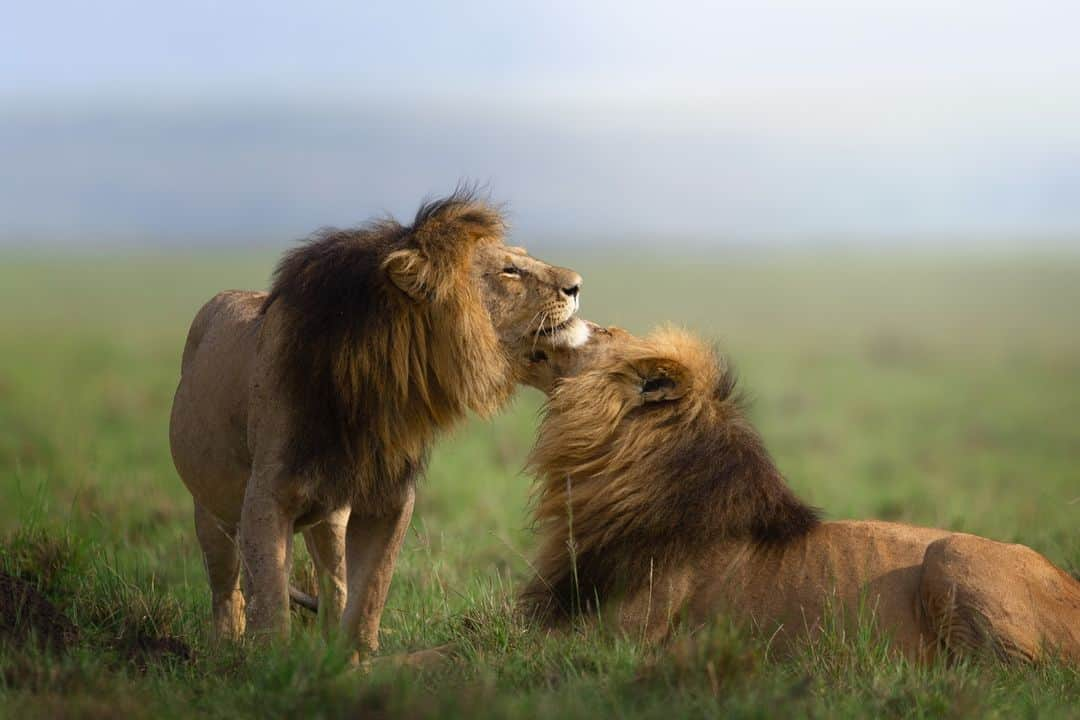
[(197, 121)]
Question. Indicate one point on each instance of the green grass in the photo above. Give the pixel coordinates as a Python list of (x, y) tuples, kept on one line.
[(927, 389)]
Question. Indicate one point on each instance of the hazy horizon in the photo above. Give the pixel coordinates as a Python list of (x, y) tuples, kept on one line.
[(797, 123)]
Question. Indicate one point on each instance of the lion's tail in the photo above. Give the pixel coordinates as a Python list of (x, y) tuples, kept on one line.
[(303, 600)]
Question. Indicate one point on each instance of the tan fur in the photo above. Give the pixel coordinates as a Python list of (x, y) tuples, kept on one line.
[(658, 503), (313, 407)]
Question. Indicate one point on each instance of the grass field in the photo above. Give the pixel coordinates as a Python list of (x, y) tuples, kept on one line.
[(927, 389)]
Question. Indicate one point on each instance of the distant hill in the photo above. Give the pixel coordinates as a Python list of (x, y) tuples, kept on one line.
[(269, 172)]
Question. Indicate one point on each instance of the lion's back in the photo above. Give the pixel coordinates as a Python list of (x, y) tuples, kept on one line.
[(227, 312)]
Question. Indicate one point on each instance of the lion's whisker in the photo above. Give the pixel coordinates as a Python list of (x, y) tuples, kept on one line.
[(539, 330)]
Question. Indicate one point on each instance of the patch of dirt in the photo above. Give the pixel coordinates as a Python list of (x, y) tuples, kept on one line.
[(26, 615), (145, 650)]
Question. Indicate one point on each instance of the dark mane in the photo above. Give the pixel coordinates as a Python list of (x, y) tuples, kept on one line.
[(653, 488), (372, 373)]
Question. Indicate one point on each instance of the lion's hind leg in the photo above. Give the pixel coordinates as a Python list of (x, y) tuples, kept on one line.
[(981, 596), (222, 560)]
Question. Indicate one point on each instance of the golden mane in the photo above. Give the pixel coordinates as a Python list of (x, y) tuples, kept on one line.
[(643, 459), (386, 342)]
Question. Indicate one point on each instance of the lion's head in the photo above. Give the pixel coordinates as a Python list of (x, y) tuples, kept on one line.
[(457, 251), (390, 333), (545, 366), (644, 452)]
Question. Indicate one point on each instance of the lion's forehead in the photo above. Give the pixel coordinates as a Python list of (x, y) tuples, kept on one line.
[(536, 266), (500, 255), (496, 252)]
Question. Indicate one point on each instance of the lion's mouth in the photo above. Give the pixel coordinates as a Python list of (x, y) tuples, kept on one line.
[(554, 329), (570, 333)]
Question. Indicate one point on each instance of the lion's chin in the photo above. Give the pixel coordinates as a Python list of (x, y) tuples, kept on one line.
[(571, 334)]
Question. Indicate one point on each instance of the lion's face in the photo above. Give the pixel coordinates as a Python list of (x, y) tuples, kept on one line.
[(544, 367), (532, 304)]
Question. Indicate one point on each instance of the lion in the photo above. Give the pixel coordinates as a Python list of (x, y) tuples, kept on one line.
[(312, 407), (657, 502)]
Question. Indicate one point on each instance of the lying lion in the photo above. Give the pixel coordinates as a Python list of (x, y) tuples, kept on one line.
[(313, 407), (659, 502)]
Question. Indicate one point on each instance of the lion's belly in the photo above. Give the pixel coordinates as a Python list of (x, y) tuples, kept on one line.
[(841, 575), (208, 428)]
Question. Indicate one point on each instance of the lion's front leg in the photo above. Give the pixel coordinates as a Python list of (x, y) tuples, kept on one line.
[(266, 530), (371, 547), (326, 544)]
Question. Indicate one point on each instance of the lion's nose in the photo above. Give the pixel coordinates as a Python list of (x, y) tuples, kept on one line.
[(572, 291)]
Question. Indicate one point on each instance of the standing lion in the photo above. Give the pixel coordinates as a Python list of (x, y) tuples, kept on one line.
[(312, 407)]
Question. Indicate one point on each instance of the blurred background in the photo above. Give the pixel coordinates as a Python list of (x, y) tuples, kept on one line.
[(695, 124)]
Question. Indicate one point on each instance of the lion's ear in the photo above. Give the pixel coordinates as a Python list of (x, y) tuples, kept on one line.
[(661, 379), (409, 271)]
